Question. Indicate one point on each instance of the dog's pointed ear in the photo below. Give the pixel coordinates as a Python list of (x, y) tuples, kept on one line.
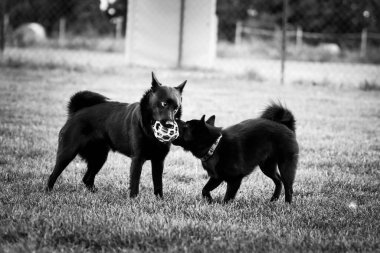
[(181, 86), (155, 82), (203, 118), (211, 120)]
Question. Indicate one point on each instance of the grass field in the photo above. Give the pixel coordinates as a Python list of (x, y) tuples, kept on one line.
[(235, 61), (336, 201)]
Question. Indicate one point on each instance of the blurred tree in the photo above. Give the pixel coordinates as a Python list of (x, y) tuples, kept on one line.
[(44, 12), (333, 16), (19, 12), (82, 16), (229, 12), (337, 16), (87, 18), (114, 9)]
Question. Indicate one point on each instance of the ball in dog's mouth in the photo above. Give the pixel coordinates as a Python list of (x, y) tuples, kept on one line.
[(166, 133)]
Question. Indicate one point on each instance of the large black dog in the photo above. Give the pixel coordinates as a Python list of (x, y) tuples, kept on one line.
[(232, 153), (96, 125)]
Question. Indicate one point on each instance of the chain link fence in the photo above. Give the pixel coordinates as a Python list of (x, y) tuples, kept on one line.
[(327, 41)]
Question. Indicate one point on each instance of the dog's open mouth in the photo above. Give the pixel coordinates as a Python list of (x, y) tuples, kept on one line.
[(166, 132)]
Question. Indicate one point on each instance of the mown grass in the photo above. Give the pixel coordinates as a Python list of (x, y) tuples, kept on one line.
[(336, 204), (267, 48), (255, 67)]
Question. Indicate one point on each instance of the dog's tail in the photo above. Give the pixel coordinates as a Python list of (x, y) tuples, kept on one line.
[(280, 114), (84, 99)]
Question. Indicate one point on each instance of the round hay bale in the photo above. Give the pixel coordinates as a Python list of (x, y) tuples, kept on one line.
[(29, 34), (331, 48)]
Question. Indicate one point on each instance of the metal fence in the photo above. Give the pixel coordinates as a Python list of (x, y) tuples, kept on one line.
[(337, 43)]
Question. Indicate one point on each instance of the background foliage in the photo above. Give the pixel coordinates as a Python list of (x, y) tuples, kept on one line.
[(83, 17), (335, 16)]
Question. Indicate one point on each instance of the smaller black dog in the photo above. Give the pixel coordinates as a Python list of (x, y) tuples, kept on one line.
[(231, 154)]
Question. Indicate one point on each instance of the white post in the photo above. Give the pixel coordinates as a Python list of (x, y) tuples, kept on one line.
[(62, 31), (181, 32), (6, 22), (238, 32), (363, 43), (2, 27), (283, 41), (128, 32), (119, 27), (299, 34)]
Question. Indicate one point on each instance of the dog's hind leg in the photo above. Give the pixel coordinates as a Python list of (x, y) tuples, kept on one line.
[(64, 156), (288, 169), (232, 188), (95, 156), (210, 186), (269, 168)]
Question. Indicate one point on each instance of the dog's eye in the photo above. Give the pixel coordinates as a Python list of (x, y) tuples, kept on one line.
[(164, 104)]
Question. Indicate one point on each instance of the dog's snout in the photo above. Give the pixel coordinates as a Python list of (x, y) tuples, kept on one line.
[(167, 116), (171, 115), (167, 123)]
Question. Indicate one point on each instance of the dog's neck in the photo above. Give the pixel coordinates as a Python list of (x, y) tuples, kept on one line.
[(146, 113), (210, 144), (211, 150)]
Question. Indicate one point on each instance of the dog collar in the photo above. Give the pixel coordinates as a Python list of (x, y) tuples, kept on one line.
[(211, 150)]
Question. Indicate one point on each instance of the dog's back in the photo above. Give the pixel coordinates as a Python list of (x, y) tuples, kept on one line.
[(84, 99), (95, 121)]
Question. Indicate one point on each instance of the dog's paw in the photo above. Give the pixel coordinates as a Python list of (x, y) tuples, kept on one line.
[(273, 199), (133, 195), (159, 194), (48, 189), (92, 188), (208, 198)]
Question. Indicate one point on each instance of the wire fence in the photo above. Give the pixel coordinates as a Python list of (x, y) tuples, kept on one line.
[(324, 44)]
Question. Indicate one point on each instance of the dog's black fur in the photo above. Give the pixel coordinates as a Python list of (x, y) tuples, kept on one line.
[(268, 141), (96, 125)]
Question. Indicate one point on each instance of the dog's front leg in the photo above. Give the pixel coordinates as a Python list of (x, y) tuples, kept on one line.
[(134, 178), (210, 185), (232, 188), (157, 169)]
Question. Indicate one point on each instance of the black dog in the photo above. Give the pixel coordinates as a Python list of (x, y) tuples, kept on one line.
[(96, 125), (232, 153)]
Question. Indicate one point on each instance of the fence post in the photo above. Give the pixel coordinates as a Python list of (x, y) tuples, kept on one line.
[(283, 42), (118, 27), (62, 31), (238, 32), (181, 32), (299, 34), (2, 27), (363, 43)]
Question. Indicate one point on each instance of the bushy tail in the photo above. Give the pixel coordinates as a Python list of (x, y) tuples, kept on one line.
[(278, 113), (84, 99)]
